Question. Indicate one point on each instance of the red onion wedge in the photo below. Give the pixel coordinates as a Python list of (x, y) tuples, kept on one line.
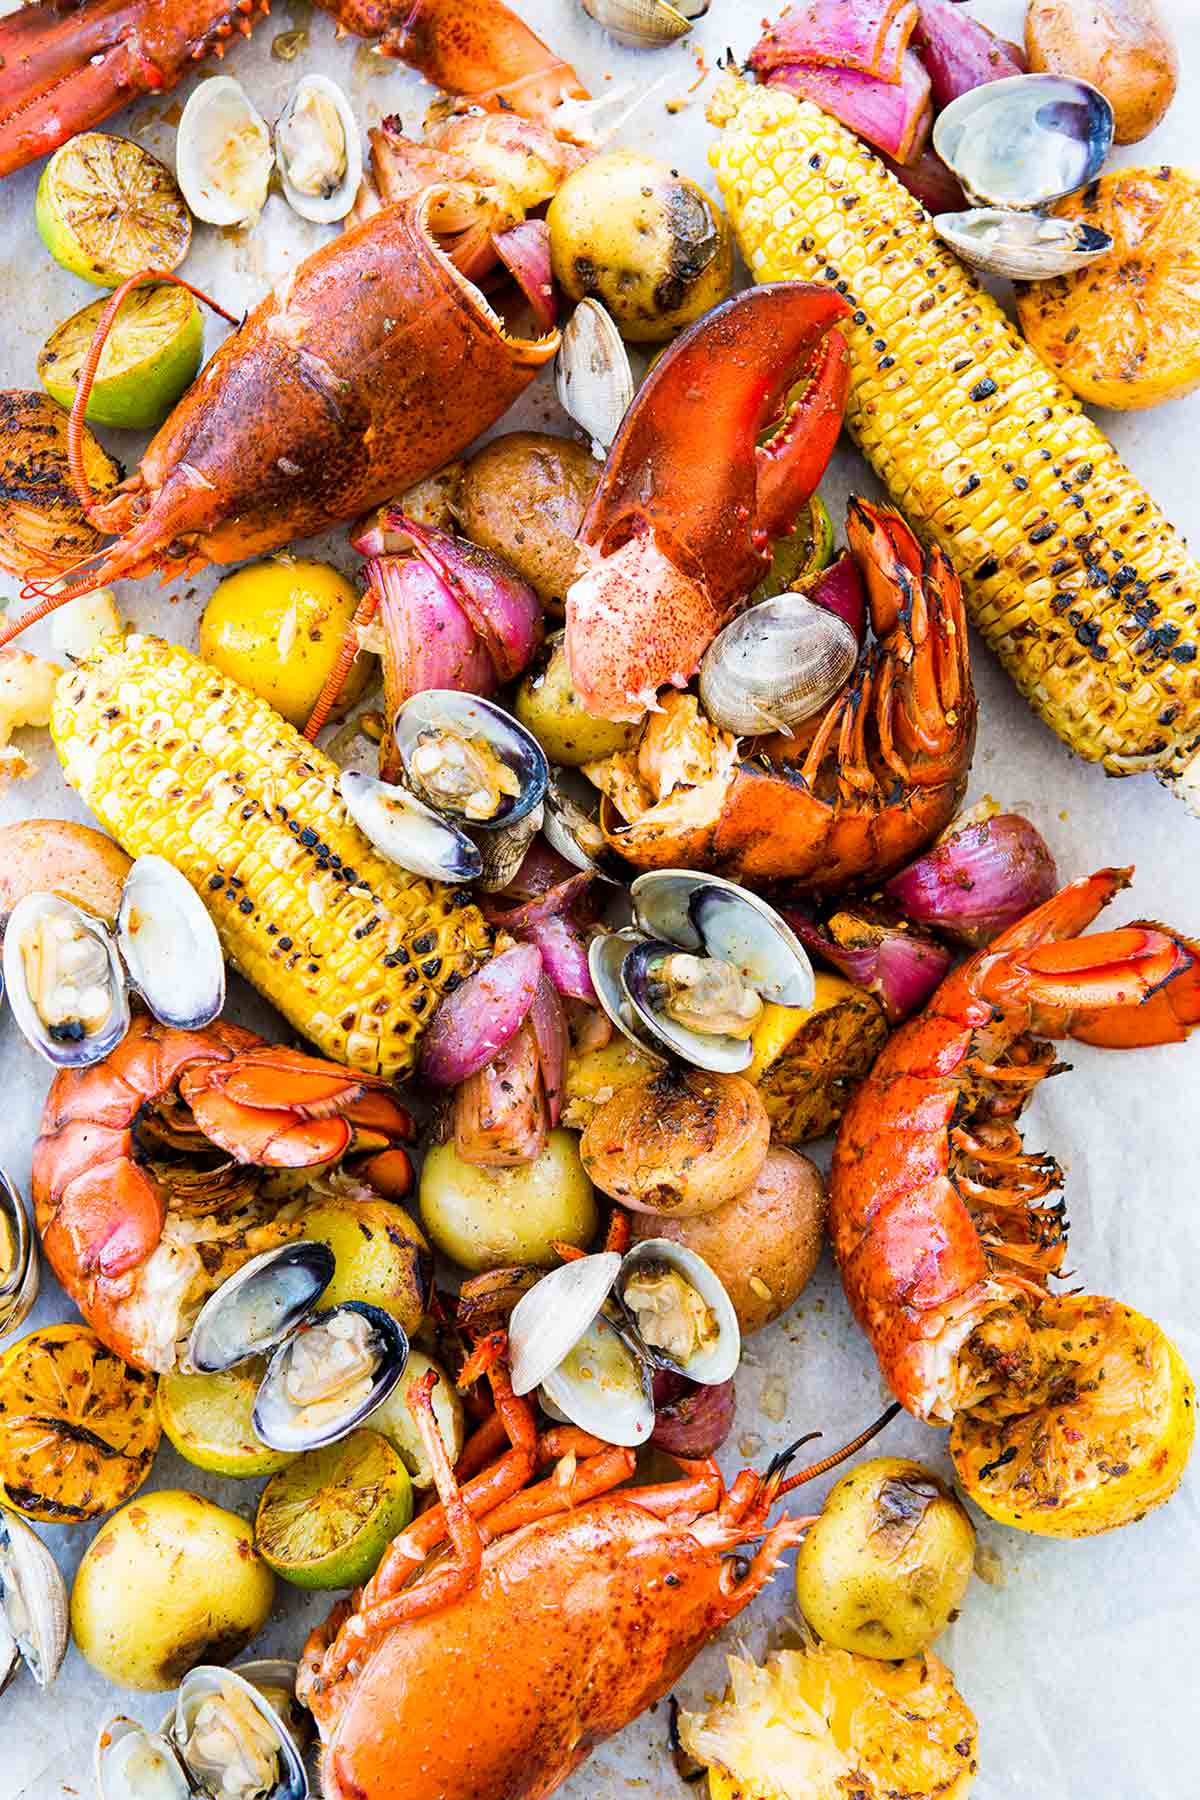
[(427, 639), (690, 1420), (839, 589), (867, 35), (893, 117), (900, 966), (929, 180), (960, 53), (549, 1025), (503, 608), (542, 869), (986, 870), (474, 1022), (546, 922), (500, 1112), (525, 252)]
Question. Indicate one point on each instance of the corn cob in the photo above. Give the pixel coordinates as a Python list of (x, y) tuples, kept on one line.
[(175, 759), (1075, 578)]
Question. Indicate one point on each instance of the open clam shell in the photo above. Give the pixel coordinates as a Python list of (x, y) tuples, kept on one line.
[(259, 1306), (408, 832), (592, 373), (169, 946), (64, 981), (221, 1713), (329, 1376), (20, 1268), (223, 155), (502, 852), (696, 1334), (570, 825), (1021, 245), (133, 1763), (33, 1604), (646, 24), (1025, 141), (470, 760), (649, 976), (548, 1319), (776, 664), (706, 913), (318, 151), (606, 958)]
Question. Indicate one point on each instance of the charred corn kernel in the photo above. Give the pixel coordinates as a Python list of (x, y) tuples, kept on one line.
[(1079, 584), (808, 1060), (176, 759)]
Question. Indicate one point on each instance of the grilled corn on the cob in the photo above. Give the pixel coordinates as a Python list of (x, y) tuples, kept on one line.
[(176, 759), (1076, 579)]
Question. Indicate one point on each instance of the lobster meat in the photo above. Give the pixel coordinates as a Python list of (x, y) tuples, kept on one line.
[(67, 67), (856, 791), (151, 1172), (1070, 1413), (600, 1600), (677, 532), (369, 365)]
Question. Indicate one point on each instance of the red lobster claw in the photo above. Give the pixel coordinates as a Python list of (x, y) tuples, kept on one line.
[(678, 528), (477, 50)]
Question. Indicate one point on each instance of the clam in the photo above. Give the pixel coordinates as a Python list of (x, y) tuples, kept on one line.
[(223, 156), (692, 977), (318, 151), (225, 1739), (570, 825), (408, 832), (775, 664), (503, 851), (327, 1371), (645, 24), (469, 759), (1024, 246), (1025, 141), (33, 1604), (132, 1763), (68, 977), (592, 373), (19, 1266), (590, 1335)]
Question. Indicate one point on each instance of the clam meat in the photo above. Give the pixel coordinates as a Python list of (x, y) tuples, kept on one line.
[(64, 980), (574, 831), (1023, 246), (1026, 141), (259, 1306), (776, 664), (135, 1764), (318, 152), (469, 759), (329, 1377), (703, 994), (407, 832), (232, 1742), (33, 1604), (19, 1266)]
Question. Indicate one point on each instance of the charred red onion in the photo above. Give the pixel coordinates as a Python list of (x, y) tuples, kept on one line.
[(473, 1023), (690, 1420), (929, 180), (899, 965), (500, 1113), (548, 1022), (868, 35), (546, 922), (893, 116), (960, 53), (839, 589), (982, 874), (525, 252)]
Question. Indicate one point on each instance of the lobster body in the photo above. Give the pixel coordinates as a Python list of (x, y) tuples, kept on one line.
[(369, 365), (576, 1625)]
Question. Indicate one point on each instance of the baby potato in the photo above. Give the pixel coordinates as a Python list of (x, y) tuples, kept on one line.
[(277, 627), (398, 1426), (548, 706), (764, 1244), (491, 1218), (168, 1582), (56, 856), (382, 1256), (1123, 47), (593, 1077), (885, 1567), (524, 496), (678, 1142), (643, 240)]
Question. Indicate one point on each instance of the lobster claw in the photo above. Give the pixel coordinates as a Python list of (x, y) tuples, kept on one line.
[(678, 529), (477, 50)]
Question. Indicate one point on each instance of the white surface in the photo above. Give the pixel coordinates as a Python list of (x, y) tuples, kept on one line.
[(1079, 1659)]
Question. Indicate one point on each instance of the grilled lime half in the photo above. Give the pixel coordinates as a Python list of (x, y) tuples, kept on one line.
[(326, 1520), (107, 209), (150, 355)]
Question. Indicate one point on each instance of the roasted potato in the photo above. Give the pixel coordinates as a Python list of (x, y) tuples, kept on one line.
[(489, 1218), (277, 627), (548, 705), (593, 1077), (1123, 47), (56, 856), (381, 1255), (643, 240), (678, 1142), (885, 1567), (763, 1244), (524, 496), (168, 1582), (808, 1061)]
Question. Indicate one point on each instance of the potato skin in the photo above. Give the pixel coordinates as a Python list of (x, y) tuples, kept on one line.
[(168, 1582), (679, 1142), (524, 496), (491, 1218), (762, 1245), (56, 856), (548, 705), (1123, 47), (888, 1561), (643, 240)]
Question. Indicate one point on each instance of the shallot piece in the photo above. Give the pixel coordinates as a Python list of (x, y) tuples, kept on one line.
[(839, 589), (503, 609), (472, 1024), (548, 1022), (691, 1420), (897, 964), (986, 870), (960, 53), (425, 638), (868, 35), (894, 117), (525, 252), (546, 922)]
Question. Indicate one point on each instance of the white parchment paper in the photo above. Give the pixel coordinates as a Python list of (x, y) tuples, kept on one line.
[(1080, 1659)]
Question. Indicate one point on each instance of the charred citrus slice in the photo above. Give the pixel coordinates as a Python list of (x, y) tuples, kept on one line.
[(107, 209), (209, 1419), (326, 1520), (149, 357), (43, 528), (809, 1060), (1125, 331), (78, 1427), (1109, 1443), (828, 1724)]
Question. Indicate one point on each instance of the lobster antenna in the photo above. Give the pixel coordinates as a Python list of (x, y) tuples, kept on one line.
[(780, 1462)]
